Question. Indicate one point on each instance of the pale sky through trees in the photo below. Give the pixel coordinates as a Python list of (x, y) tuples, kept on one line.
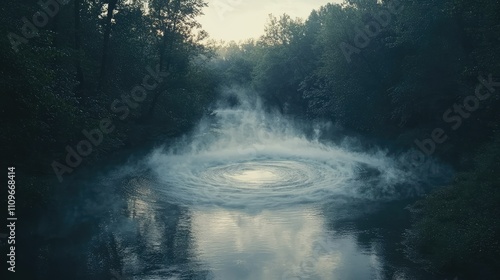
[(242, 19)]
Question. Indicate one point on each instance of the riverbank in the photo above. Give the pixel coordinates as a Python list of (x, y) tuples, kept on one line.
[(456, 230)]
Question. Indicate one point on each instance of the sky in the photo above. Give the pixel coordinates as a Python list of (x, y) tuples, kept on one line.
[(243, 19)]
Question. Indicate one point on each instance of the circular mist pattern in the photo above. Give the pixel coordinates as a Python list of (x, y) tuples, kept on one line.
[(258, 174), (247, 158), (269, 181)]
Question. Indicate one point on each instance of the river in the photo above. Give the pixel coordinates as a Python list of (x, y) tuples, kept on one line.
[(245, 196)]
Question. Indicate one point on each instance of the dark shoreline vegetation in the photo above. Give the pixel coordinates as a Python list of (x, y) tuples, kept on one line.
[(392, 84)]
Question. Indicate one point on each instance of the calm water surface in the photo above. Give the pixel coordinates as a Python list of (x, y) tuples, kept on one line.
[(247, 197)]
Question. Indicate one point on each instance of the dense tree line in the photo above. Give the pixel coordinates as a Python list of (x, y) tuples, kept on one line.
[(83, 79), (408, 74), (394, 71), (67, 65), (387, 70)]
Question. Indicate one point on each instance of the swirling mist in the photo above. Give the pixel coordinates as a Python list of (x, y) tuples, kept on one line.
[(243, 156)]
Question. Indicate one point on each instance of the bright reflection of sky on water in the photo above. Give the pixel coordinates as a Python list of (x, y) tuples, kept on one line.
[(250, 197), (275, 245), (235, 244)]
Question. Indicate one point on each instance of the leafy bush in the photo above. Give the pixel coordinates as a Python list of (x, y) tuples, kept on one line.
[(457, 228)]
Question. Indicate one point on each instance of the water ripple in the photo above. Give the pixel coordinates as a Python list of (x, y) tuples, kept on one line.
[(272, 180)]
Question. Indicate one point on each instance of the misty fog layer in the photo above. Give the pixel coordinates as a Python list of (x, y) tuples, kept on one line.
[(246, 157), (360, 141), (264, 197)]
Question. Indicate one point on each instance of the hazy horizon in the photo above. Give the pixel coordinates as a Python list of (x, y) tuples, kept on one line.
[(237, 20)]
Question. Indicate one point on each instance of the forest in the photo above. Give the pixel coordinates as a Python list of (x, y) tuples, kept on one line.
[(85, 80)]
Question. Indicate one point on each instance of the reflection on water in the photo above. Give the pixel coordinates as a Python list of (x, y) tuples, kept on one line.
[(132, 232), (255, 176), (284, 244), (211, 207), (219, 243), (208, 209)]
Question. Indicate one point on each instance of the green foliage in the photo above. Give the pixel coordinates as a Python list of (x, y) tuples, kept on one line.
[(235, 63), (457, 227), (426, 58), (396, 88), (38, 107), (55, 87)]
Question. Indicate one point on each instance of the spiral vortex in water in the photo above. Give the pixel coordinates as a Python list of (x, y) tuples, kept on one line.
[(247, 158), (271, 180)]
